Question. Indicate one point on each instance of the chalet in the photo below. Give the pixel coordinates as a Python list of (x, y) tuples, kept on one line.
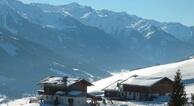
[(63, 90), (139, 88)]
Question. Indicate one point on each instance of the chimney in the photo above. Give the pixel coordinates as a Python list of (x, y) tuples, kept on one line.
[(65, 80)]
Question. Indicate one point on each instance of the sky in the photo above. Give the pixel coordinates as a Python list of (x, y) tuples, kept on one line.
[(161, 10)]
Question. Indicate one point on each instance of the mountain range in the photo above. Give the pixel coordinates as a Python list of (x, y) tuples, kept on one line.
[(37, 40), (135, 33)]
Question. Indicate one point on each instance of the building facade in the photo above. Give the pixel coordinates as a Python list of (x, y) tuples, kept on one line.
[(63, 90), (140, 88)]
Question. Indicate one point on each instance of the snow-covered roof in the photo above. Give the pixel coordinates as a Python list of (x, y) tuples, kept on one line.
[(53, 80), (143, 81), (61, 80)]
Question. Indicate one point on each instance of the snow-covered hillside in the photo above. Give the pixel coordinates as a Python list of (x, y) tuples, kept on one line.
[(168, 70)]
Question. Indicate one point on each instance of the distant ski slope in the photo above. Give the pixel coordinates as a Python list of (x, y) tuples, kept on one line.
[(168, 70)]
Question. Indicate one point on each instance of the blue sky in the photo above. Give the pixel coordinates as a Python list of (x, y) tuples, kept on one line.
[(161, 10)]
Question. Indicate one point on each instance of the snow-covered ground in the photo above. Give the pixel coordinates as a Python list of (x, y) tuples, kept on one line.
[(168, 70), (23, 102), (157, 102), (2, 98)]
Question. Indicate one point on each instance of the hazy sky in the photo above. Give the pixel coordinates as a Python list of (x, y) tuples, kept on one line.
[(161, 10)]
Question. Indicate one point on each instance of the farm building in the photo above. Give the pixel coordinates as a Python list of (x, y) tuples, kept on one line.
[(139, 88), (63, 90)]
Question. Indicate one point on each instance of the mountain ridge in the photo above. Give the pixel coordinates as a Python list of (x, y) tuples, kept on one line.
[(102, 13)]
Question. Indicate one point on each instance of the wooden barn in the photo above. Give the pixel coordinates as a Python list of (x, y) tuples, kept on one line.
[(63, 90), (139, 88)]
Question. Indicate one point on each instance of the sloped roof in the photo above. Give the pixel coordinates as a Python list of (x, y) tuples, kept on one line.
[(145, 81), (60, 81)]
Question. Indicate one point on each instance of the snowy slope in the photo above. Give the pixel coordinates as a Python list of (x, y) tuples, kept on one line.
[(148, 38), (116, 22), (168, 70)]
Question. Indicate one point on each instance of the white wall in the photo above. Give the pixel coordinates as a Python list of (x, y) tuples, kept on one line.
[(77, 101)]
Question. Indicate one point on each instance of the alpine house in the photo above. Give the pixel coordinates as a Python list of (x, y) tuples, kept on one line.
[(139, 88), (64, 91)]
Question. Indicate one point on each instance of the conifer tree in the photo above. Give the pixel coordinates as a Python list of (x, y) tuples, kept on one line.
[(192, 99), (178, 95)]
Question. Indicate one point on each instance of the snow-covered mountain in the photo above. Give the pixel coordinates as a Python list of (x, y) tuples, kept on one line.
[(67, 36), (125, 34), (140, 35), (76, 40), (115, 22)]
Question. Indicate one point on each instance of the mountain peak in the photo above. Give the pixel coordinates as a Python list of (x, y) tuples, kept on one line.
[(74, 4)]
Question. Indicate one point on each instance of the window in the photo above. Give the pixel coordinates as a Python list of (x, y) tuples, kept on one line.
[(70, 101), (122, 94), (129, 93)]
